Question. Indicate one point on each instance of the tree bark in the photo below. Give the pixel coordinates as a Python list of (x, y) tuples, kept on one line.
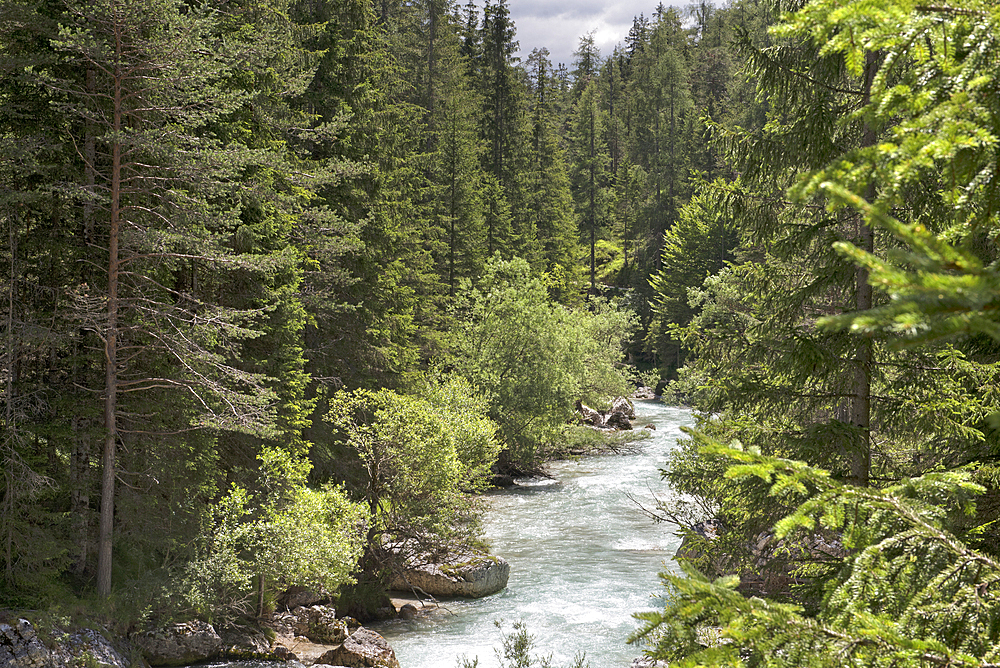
[(104, 552), (593, 212), (861, 405)]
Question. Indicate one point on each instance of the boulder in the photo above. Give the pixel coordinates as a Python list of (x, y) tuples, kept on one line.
[(20, 647), (179, 644), (88, 647), (644, 393), (244, 642), (589, 415), (502, 480), (619, 417), (618, 421), (318, 623), (363, 649), (623, 406), (296, 597), (468, 575)]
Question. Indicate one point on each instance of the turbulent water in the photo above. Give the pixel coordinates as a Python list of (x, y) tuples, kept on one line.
[(583, 559)]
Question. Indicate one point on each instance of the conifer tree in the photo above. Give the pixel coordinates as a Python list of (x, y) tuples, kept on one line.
[(848, 401), (914, 589), (590, 167), (548, 196), (372, 262), (152, 93), (502, 94), (661, 98)]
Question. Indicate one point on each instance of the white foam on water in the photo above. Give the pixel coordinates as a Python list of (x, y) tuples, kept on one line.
[(584, 558)]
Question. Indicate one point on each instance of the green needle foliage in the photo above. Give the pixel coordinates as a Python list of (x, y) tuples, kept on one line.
[(918, 587), (911, 594)]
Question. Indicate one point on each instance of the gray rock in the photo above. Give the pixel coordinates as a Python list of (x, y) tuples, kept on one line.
[(20, 647), (363, 649), (318, 623), (589, 415), (644, 393), (619, 417), (623, 406), (467, 575), (295, 597), (179, 644), (239, 642), (86, 648)]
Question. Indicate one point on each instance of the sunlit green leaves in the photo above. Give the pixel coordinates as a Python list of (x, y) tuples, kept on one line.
[(532, 358)]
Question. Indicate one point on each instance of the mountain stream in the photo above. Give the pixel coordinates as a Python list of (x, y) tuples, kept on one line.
[(583, 559)]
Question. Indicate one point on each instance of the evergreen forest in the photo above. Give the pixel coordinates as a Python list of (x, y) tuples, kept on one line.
[(286, 283)]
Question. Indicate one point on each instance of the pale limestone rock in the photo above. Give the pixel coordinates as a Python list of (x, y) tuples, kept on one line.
[(179, 644), (318, 623), (467, 575), (20, 647), (363, 649)]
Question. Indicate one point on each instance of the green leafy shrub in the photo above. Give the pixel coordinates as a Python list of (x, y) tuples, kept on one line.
[(532, 359)]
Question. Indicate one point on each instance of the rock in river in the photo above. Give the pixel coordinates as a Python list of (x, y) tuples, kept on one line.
[(20, 647), (468, 575), (363, 649)]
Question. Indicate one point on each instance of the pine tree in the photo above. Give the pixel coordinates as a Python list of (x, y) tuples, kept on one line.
[(661, 98), (372, 263), (501, 94), (848, 401), (590, 168), (549, 199), (914, 589), (165, 185)]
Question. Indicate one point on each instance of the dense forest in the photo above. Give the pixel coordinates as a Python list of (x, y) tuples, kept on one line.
[(286, 281)]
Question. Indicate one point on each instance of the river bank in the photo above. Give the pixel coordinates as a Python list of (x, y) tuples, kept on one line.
[(584, 560)]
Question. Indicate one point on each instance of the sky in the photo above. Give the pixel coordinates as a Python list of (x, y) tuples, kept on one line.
[(558, 24)]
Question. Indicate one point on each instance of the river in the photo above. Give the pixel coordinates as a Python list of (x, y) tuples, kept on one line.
[(583, 559)]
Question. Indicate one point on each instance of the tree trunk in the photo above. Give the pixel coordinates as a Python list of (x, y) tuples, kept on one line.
[(111, 354), (861, 404)]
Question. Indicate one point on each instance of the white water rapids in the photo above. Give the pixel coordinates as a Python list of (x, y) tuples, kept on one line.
[(583, 559)]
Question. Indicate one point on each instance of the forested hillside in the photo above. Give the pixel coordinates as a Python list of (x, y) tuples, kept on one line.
[(286, 281), (259, 255)]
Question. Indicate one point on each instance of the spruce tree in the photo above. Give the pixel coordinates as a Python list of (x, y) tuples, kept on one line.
[(548, 196), (914, 588), (153, 93), (849, 401), (591, 162), (502, 94)]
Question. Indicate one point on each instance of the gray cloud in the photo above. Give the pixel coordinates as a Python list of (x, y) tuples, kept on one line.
[(558, 25)]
